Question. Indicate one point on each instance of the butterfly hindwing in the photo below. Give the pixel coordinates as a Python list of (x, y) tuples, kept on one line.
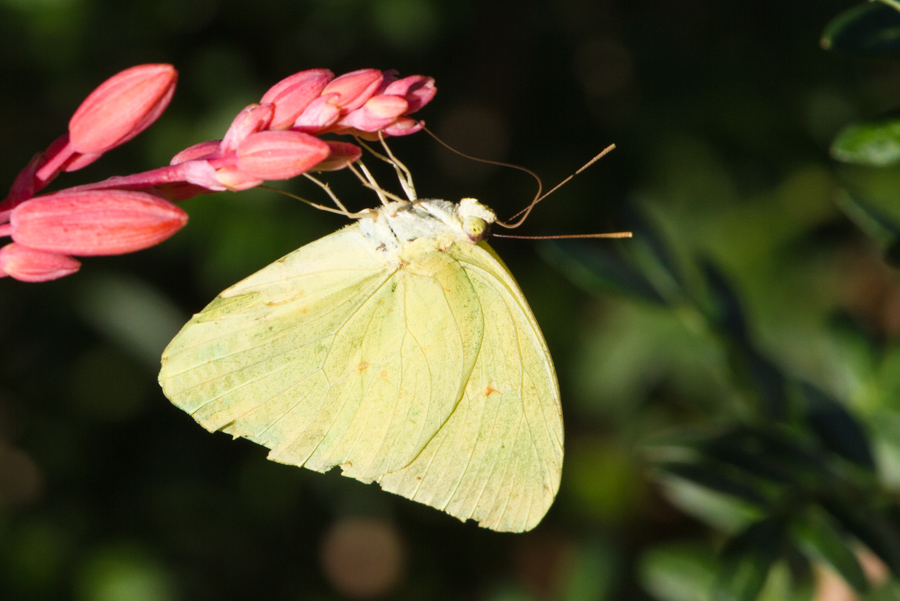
[(498, 459)]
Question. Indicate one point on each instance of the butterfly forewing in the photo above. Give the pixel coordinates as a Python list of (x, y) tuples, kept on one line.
[(359, 373)]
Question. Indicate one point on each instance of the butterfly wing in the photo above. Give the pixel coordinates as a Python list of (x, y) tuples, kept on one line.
[(331, 356), (429, 375), (498, 459)]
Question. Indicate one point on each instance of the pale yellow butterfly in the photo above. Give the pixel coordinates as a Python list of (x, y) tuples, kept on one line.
[(399, 348)]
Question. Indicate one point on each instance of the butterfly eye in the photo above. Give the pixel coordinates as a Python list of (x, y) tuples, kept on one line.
[(475, 228)]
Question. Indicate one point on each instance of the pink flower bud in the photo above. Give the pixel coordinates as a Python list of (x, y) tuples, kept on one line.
[(342, 154), (249, 121), (232, 178), (122, 107), (197, 151), (379, 112), (293, 94), (95, 222), (319, 115), (32, 265), (354, 88), (418, 91), (280, 154), (403, 126), (202, 174)]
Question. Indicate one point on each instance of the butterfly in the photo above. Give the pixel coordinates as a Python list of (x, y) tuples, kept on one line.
[(400, 349)]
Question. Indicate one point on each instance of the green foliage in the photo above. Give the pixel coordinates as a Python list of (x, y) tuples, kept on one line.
[(876, 144), (868, 29), (796, 459)]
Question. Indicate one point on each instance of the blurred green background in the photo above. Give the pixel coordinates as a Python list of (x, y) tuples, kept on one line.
[(730, 377)]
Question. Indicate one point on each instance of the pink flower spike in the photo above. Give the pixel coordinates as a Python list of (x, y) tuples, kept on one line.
[(379, 112), (293, 94), (342, 154), (95, 222), (403, 126), (122, 107), (253, 119), (321, 114), (355, 88), (32, 265), (280, 154), (418, 91), (203, 150)]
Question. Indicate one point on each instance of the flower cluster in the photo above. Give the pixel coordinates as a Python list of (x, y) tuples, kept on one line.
[(276, 139)]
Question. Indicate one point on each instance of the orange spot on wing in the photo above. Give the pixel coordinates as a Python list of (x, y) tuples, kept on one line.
[(362, 366), (489, 390)]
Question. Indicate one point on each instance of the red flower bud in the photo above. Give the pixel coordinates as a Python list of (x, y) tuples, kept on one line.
[(95, 222), (271, 155), (293, 94), (122, 107), (379, 112), (342, 154), (403, 126), (232, 178), (203, 150), (32, 265), (354, 88), (249, 121), (319, 115), (418, 91)]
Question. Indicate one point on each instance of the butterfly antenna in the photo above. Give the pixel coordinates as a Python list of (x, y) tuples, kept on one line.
[(488, 161), (616, 235), (539, 197)]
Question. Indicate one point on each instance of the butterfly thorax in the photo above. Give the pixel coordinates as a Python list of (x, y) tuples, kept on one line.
[(397, 224)]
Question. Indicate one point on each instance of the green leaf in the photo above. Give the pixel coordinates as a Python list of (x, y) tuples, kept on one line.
[(872, 28), (819, 538), (771, 453), (873, 144), (711, 476), (730, 320), (738, 447), (747, 559), (836, 428), (598, 270), (729, 313), (647, 238), (769, 382)]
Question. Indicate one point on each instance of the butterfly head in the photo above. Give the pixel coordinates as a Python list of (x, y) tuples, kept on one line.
[(476, 219)]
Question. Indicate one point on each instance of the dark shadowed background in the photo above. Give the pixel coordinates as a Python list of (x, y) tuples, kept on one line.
[(722, 112)]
